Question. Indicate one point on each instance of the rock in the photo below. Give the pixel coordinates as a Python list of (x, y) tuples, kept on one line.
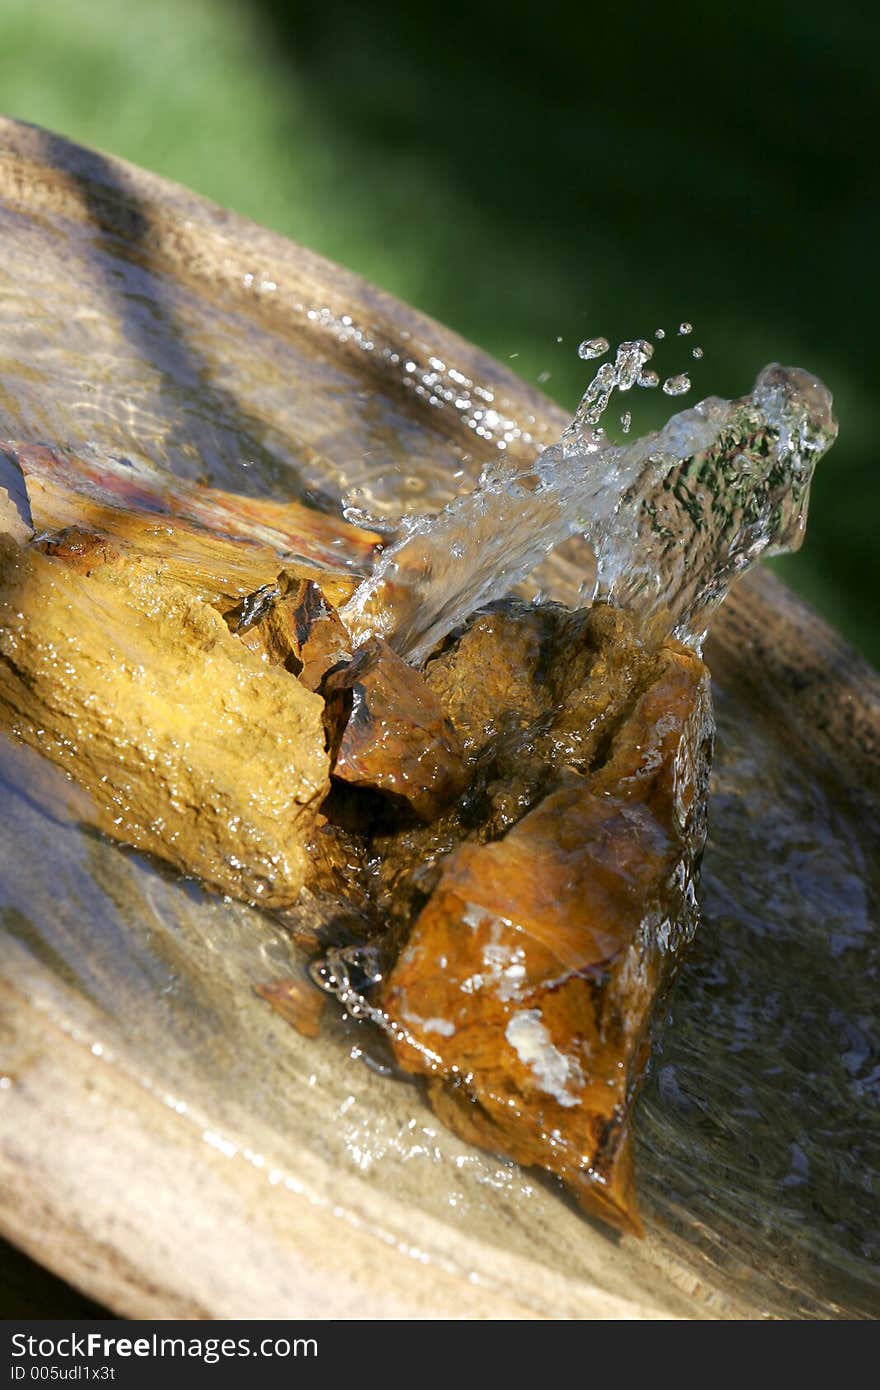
[(198, 530), (395, 737), (562, 675), (496, 675), (81, 550), (526, 989), (188, 745), (291, 624), (532, 690)]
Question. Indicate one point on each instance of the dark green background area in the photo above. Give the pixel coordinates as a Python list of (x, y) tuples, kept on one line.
[(531, 174)]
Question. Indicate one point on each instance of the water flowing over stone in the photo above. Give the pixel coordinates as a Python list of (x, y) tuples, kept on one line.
[(672, 518)]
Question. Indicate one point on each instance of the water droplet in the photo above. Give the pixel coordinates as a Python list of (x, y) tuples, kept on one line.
[(629, 361), (649, 378), (677, 385), (592, 347), (685, 328), (559, 340), (659, 334), (544, 376), (626, 420), (620, 375), (697, 352)]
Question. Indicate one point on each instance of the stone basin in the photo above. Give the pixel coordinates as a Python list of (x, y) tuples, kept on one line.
[(167, 1143)]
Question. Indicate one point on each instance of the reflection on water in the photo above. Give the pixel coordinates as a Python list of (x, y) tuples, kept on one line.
[(74, 370), (758, 1128)]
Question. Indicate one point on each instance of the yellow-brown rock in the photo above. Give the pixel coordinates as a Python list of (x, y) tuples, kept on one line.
[(189, 746), (220, 545)]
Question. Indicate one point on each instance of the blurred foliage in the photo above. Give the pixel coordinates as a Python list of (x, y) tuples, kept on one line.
[(533, 176)]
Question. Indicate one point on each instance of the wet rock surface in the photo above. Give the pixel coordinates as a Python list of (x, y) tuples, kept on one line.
[(534, 925), (201, 535), (187, 745), (292, 624), (394, 735), (202, 745), (512, 832)]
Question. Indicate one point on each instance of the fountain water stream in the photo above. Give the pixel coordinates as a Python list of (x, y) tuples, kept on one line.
[(671, 518)]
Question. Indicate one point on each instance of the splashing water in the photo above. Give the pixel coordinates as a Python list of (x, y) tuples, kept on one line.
[(672, 518), (622, 374), (677, 385), (591, 348)]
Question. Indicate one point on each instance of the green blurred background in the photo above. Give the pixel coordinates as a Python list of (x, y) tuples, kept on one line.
[(534, 176)]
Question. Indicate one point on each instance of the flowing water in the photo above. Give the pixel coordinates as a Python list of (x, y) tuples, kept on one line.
[(671, 519), (758, 1128)]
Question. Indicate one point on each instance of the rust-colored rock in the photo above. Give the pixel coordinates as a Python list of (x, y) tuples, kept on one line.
[(395, 736), (540, 667), (292, 624), (80, 549), (535, 900), (220, 545), (527, 985), (532, 690)]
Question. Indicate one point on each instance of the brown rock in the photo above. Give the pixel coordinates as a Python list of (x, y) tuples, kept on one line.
[(188, 525), (82, 550), (541, 667), (221, 546), (528, 983), (533, 691), (292, 624), (490, 678), (395, 736)]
